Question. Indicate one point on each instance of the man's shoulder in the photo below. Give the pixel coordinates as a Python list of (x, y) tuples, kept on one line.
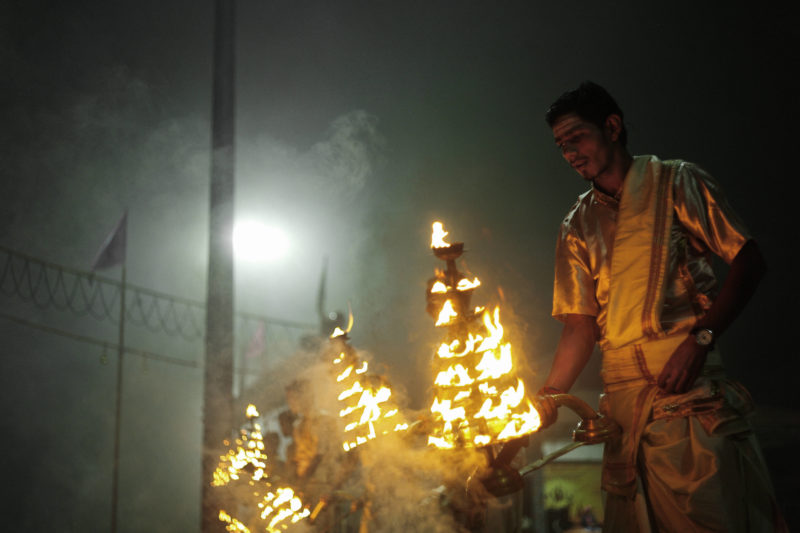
[(685, 174), (677, 164), (572, 219), (674, 163), (689, 175)]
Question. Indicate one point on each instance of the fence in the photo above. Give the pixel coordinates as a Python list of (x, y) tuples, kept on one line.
[(50, 286)]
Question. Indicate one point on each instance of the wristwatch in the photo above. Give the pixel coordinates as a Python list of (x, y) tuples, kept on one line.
[(704, 337)]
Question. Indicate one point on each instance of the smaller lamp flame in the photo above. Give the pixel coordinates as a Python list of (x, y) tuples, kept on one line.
[(467, 285), (447, 314), (368, 410), (279, 506), (439, 288)]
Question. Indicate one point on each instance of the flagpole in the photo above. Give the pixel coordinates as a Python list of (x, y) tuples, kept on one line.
[(118, 412), (113, 252)]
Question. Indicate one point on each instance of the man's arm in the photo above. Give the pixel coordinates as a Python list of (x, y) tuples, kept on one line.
[(685, 365), (574, 349)]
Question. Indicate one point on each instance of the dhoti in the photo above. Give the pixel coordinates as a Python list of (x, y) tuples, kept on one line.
[(684, 462)]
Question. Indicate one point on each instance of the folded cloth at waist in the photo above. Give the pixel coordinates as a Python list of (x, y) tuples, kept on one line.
[(638, 364)]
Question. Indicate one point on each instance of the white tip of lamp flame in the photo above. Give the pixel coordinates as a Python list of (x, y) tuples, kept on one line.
[(437, 238)]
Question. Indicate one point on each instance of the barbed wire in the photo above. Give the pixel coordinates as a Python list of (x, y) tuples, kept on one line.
[(145, 354), (114, 347), (49, 285)]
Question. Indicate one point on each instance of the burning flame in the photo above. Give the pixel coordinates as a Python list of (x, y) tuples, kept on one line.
[(233, 524), (247, 454), (279, 506), (463, 285), (349, 318), (469, 409), (439, 288), (479, 400), (337, 331), (446, 314), (368, 410), (466, 285), (437, 239)]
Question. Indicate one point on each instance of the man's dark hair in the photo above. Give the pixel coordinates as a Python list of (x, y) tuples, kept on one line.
[(592, 103)]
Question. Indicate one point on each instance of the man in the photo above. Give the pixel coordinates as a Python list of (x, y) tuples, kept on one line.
[(633, 274)]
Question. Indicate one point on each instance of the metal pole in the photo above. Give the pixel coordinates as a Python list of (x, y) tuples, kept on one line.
[(118, 412), (218, 379)]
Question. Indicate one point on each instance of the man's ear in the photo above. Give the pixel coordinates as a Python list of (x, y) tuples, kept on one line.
[(613, 126)]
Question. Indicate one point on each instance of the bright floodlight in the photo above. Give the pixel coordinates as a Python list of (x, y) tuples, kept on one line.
[(253, 241)]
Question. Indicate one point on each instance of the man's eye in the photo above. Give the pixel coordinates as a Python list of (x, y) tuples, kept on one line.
[(563, 144)]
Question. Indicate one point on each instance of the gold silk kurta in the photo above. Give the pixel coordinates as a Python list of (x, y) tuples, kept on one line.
[(702, 223), (641, 265)]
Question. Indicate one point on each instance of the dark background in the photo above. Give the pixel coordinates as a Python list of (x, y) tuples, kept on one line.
[(358, 124)]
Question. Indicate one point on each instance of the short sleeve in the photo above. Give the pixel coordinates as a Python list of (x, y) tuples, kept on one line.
[(702, 209), (574, 286)]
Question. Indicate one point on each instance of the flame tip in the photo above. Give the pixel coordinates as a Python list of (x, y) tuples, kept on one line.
[(438, 235)]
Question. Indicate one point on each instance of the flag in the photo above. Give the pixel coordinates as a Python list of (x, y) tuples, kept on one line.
[(112, 252)]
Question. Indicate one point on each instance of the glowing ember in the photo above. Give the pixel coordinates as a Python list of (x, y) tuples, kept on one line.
[(368, 410), (479, 400)]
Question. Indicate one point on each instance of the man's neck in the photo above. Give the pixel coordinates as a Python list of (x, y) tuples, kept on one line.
[(611, 179)]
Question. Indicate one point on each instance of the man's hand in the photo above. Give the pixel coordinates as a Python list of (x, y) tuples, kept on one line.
[(683, 367)]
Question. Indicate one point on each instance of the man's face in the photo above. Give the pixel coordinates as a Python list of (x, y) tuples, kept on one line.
[(583, 145)]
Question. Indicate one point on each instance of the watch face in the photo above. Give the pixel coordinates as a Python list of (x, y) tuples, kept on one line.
[(704, 337)]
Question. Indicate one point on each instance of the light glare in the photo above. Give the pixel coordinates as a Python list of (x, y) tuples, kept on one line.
[(256, 242)]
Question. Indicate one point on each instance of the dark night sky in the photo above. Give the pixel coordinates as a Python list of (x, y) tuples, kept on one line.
[(434, 110)]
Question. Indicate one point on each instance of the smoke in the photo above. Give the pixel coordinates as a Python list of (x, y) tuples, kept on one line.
[(71, 165), (348, 157), (411, 487), (316, 196), (394, 483), (333, 169)]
